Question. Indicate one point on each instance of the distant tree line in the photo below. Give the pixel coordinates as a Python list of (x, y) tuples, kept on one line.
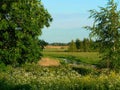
[(58, 44), (85, 45)]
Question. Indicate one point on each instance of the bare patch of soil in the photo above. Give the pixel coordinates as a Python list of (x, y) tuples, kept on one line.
[(49, 62)]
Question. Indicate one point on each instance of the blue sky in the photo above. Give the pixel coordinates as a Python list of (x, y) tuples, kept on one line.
[(69, 16)]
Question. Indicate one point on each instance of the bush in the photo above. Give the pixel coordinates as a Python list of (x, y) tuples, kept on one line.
[(34, 77), (82, 69)]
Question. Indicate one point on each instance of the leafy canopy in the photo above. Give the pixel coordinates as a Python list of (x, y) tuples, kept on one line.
[(106, 29), (21, 22)]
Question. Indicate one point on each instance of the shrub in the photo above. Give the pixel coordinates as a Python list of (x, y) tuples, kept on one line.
[(82, 69), (59, 78)]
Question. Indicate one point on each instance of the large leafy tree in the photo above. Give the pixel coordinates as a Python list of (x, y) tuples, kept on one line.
[(21, 22), (106, 29)]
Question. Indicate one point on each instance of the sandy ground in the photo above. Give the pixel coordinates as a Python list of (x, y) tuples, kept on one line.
[(49, 62)]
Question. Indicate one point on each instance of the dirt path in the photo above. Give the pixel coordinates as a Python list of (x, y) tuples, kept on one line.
[(49, 62)]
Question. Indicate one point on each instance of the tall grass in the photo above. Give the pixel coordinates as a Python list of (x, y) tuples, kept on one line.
[(34, 77)]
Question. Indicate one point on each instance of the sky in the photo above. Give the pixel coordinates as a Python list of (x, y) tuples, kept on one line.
[(69, 18)]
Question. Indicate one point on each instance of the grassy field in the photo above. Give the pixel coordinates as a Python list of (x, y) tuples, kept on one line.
[(50, 74), (62, 54)]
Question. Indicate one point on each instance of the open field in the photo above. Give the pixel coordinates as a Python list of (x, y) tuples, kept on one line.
[(50, 74), (55, 48), (61, 54)]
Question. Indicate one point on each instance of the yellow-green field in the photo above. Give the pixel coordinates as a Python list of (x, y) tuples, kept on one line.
[(60, 52), (49, 74)]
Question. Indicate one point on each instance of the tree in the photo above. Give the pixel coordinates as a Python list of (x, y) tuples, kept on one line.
[(106, 29), (42, 44), (81, 46), (94, 46), (86, 45), (72, 46), (21, 22), (78, 43)]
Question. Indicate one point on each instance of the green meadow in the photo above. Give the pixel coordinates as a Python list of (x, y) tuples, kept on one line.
[(83, 57), (77, 71)]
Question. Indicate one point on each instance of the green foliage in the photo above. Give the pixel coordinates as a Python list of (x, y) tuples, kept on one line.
[(58, 44), (86, 45), (106, 29), (72, 47), (78, 44), (21, 22), (42, 44), (83, 69), (34, 77)]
